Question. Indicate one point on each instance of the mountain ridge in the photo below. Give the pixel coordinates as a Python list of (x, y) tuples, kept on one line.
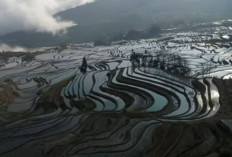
[(107, 18)]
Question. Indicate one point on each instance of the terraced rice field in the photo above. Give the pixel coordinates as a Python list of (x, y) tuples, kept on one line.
[(114, 108)]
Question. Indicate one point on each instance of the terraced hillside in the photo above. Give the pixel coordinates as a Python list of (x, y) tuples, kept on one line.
[(154, 107)]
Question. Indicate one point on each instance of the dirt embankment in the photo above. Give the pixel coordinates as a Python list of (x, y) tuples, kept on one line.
[(193, 139), (225, 90), (7, 93), (202, 139), (51, 99)]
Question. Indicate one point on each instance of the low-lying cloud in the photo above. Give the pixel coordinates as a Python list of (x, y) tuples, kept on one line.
[(36, 15), (8, 48)]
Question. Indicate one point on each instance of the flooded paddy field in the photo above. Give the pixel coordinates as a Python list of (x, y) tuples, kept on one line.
[(174, 100)]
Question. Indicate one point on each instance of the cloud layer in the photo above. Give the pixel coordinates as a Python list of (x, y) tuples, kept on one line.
[(35, 15), (8, 48)]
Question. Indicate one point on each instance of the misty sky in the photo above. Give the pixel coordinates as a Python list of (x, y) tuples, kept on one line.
[(36, 15)]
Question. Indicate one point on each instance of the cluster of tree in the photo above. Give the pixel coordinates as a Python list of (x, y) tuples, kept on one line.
[(6, 55), (172, 63), (152, 31), (100, 42), (26, 56)]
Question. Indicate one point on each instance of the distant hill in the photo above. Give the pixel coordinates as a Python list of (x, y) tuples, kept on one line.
[(106, 18)]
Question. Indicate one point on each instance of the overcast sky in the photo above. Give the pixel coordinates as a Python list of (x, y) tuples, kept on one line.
[(35, 15)]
